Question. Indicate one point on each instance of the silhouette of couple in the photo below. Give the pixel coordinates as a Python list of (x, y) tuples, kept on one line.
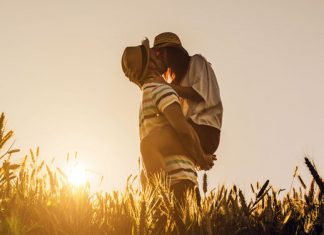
[(181, 111)]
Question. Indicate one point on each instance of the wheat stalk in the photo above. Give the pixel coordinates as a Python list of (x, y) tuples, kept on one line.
[(315, 175), (205, 183)]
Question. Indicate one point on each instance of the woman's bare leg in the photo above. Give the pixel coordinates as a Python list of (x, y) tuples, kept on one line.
[(157, 145)]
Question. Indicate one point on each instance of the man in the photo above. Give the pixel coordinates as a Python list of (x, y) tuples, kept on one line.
[(168, 141)]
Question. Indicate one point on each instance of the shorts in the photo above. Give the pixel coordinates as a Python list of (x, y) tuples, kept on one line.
[(209, 137)]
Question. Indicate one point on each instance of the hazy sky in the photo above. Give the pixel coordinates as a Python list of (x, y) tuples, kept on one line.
[(62, 86)]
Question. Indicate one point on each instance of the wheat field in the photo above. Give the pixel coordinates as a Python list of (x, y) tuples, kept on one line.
[(38, 199)]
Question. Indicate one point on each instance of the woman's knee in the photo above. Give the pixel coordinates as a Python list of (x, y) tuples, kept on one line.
[(147, 148)]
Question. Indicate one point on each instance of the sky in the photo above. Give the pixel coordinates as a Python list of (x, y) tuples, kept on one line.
[(62, 87)]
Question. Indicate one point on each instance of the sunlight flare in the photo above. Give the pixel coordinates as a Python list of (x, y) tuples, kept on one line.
[(77, 176)]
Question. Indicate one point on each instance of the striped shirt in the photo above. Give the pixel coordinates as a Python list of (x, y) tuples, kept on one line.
[(180, 167), (156, 97)]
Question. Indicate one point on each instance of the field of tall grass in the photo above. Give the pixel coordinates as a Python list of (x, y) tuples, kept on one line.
[(38, 199)]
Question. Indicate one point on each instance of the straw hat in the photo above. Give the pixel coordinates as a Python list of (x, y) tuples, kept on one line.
[(135, 61), (168, 39)]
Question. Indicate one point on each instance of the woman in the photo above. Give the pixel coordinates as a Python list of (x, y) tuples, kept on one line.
[(168, 142), (194, 80)]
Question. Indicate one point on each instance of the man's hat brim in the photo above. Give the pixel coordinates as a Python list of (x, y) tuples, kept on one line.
[(135, 61), (146, 45)]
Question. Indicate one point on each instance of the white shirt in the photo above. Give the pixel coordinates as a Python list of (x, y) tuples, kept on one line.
[(201, 77)]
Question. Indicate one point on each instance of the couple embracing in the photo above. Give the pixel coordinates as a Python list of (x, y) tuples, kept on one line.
[(180, 120)]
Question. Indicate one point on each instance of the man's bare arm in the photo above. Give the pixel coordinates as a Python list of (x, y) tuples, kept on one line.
[(187, 92), (187, 135)]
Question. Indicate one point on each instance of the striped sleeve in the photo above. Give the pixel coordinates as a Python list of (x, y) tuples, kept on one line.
[(163, 96)]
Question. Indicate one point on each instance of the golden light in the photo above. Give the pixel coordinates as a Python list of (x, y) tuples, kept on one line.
[(169, 75), (77, 176)]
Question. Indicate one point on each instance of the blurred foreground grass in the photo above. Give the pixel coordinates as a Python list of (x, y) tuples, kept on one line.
[(35, 199)]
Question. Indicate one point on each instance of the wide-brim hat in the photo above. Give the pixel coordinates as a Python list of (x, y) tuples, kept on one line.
[(135, 61), (168, 39)]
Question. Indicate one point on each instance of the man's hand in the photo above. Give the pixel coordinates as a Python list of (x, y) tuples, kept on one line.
[(208, 162)]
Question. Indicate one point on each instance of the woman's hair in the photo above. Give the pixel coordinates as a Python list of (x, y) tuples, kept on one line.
[(178, 61)]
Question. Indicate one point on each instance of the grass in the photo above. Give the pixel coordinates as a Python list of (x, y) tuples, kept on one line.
[(36, 199)]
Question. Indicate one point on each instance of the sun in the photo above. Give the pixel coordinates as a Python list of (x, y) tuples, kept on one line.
[(77, 176)]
